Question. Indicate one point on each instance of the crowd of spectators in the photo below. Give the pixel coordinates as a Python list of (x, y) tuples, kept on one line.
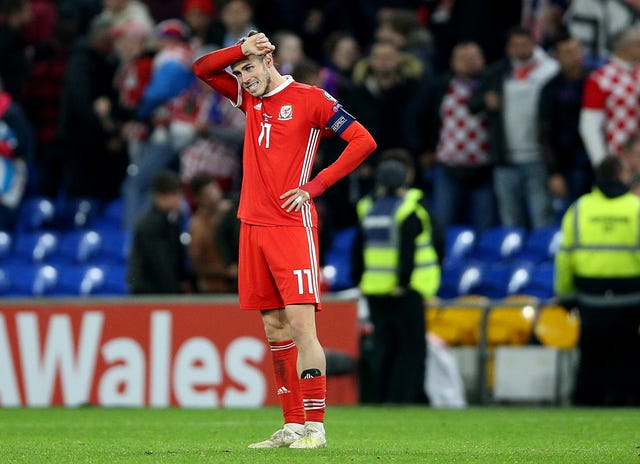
[(504, 106)]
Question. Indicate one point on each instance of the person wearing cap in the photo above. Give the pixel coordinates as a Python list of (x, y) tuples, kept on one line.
[(278, 260), (598, 268), (399, 269)]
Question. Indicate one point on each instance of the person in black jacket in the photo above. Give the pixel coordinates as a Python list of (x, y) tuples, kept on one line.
[(96, 159), (157, 262), (384, 83), (570, 171)]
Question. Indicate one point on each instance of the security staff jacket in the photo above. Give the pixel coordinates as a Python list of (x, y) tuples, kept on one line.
[(382, 223), (599, 257)]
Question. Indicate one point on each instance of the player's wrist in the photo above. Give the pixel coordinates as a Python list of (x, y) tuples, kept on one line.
[(315, 188)]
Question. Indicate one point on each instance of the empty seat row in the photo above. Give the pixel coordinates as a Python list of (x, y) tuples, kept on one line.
[(76, 246), (38, 280), (497, 280), (501, 243), (38, 213), (511, 321)]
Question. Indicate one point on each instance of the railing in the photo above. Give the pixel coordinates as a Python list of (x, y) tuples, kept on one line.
[(486, 324)]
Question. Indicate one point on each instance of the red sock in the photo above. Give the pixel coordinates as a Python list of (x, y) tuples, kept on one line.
[(285, 357), (314, 392)]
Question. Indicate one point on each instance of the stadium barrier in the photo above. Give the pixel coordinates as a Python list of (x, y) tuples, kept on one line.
[(515, 349), (153, 352)]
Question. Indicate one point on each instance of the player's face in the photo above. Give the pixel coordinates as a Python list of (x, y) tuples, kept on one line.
[(253, 76)]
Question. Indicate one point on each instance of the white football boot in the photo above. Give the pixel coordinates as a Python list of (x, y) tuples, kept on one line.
[(312, 437), (281, 438)]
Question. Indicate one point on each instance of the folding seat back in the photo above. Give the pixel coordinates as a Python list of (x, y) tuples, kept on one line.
[(459, 242), (557, 327), (510, 321), (499, 243)]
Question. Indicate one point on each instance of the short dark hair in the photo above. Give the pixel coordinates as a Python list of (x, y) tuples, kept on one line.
[(242, 40), (609, 169), (166, 182), (305, 69), (563, 34), (521, 31), (391, 174), (199, 181)]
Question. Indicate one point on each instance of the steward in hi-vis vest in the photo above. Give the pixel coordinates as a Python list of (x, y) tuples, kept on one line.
[(382, 222), (599, 264), (400, 269)]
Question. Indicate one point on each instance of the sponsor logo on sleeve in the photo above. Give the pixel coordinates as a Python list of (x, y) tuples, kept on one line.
[(328, 96), (335, 127)]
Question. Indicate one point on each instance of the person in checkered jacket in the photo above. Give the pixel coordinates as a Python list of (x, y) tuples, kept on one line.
[(610, 116), (458, 141)]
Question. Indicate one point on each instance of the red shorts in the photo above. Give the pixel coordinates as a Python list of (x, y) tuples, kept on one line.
[(278, 266)]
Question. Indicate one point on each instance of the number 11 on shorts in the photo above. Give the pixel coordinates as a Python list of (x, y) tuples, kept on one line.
[(307, 272)]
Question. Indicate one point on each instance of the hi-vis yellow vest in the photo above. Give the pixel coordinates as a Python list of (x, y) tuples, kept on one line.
[(381, 221), (600, 239)]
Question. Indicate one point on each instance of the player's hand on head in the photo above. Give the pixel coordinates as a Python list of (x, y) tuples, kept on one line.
[(257, 44)]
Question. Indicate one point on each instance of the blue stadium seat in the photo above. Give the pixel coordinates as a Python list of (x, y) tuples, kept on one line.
[(32, 280), (538, 282), (80, 246), (520, 277), (115, 280), (459, 243), (79, 280), (337, 260), (110, 217), (6, 245), (449, 279), (5, 282), (541, 244), (35, 247), (76, 213), (115, 246), (90, 280), (499, 244), (36, 213), (493, 280), (460, 278)]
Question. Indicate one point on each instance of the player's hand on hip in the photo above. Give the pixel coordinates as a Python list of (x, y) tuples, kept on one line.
[(294, 199)]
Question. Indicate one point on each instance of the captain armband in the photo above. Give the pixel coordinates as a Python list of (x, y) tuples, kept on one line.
[(340, 120)]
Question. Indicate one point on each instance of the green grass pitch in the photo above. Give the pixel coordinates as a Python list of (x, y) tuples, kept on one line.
[(355, 434)]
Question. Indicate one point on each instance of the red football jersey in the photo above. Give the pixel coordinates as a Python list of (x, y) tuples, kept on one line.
[(283, 130)]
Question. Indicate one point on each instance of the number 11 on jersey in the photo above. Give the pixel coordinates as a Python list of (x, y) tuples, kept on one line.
[(307, 273), (265, 134)]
